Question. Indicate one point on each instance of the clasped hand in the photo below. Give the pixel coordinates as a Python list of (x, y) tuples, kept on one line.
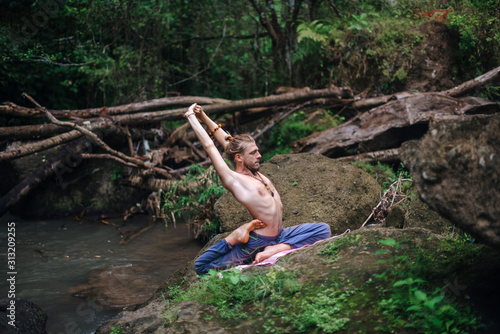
[(193, 109)]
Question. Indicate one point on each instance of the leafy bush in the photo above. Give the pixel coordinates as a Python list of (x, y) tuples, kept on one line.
[(192, 199), (413, 302), (476, 21), (294, 128)]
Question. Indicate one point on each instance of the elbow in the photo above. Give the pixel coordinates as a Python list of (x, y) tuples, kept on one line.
[(209, 145)]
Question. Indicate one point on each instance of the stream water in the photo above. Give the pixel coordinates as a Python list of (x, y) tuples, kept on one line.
[(55, 256)]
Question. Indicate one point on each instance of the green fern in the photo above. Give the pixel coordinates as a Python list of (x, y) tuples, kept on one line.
[(315, 30)]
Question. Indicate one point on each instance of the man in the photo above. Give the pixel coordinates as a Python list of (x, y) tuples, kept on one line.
[(264, 236)]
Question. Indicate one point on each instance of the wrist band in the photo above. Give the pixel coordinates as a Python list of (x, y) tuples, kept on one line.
[(213, 131), (188, 114)]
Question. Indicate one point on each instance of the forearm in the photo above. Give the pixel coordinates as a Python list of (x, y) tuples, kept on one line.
[(200, 132), (219, 134), (225, 173)]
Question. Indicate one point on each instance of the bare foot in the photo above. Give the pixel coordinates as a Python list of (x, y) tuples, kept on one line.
[(242, 233), (270, 251)]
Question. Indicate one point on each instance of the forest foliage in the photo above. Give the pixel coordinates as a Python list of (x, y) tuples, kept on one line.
[(71, 54)]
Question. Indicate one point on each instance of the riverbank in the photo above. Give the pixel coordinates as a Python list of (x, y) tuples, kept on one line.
[(54, 256)]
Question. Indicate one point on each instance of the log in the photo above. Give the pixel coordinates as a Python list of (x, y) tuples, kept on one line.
[(90, 136), (10, 108), (457, 91), (175, 114), (389, 125), (39, 146), (30, 131), (372, 102)]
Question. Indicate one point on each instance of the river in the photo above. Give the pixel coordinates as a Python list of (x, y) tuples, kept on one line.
[(54, 256)]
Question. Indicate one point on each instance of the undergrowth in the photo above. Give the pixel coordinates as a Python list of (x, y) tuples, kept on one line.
[(192, 199), (294, 128), (386, 175), (410, 299)]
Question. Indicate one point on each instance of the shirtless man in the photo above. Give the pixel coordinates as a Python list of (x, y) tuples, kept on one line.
[(264, 236)]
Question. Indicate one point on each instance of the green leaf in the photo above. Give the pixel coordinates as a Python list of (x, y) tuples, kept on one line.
[(408, 281), (432, 303), (421, 295), (381, 251), (414, 308), (388, 242), (234, 279)]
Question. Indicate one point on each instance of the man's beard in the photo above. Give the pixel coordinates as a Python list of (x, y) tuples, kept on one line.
[(252, 169)]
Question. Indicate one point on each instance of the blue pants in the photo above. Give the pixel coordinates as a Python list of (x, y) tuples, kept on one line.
[(223, 255)]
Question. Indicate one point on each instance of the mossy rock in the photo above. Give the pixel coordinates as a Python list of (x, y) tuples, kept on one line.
[(313, 188)]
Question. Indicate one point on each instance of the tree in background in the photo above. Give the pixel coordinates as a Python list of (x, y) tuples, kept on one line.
[(84, 53)]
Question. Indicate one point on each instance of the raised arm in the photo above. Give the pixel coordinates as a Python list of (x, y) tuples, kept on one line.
[(225, 173), (218, 133)]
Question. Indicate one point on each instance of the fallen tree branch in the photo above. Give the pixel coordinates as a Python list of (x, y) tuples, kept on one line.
[(94, 138), (30, 131), (10, 108), (135, 235), (40, 145), (471, 85), (126, 163), (256, 134), (174, 114)]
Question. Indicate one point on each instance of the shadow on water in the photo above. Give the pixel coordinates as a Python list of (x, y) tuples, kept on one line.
[(80, 274)]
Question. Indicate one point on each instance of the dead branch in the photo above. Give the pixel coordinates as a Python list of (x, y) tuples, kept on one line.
[(94, 138), (160, 171), (379, 212), (471, 85), (275, 120), (198, 152), (39, 146), (135, 235), (30, 131)]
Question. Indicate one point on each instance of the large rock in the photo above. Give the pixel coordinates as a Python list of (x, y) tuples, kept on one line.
[(313, 188), (456, 169), (419, 214), (29, 318), (120, 287)]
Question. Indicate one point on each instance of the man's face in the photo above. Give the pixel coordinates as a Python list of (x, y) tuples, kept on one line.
[(251, 158)]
